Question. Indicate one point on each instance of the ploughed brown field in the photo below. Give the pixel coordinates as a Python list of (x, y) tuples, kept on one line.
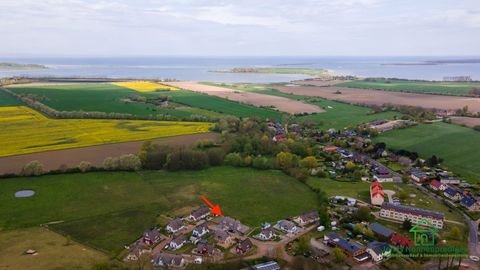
[(468, 121), (280, 103), (374, 97), (52, 160)]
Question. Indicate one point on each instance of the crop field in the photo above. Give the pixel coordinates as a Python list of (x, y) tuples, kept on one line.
[(458, 146), (27, 131), (440, 88), (336, 114), (105, 97), (375, 97), (8, 100), (206, 102), (132, 201), (251, 98), (145, 86)]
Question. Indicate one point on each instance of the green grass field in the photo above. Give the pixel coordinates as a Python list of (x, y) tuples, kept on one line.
[(111, 99), (337, 114), (228, 107), (108, 209), (458, 146), (106, 98), (8, 100), (441, 88)]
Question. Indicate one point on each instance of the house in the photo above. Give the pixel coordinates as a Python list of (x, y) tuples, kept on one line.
[(381, 231), (223, 238), (266, 266), (231, 225), (378, 250), (318, 254), (449, 180), (399, 240), (175, 225), (377, 196), (350, 248), (452, 193), (136, 250), (470, 203), (286, 226), (169, 260), (266, 234), (330, 148), (405, 161), (244, 246), (437, 185), (418, 176), (382, 174), (199, 213), (401, 213), (307, 218), (200, 231), (349, 201), (205, 249), (151, 236), (177, 242), (424, 233)]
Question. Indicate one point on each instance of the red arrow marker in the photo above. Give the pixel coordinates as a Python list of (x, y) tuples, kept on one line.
[(215, 209)]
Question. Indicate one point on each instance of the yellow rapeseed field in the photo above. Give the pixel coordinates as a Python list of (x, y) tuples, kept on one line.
[(24, 130), (145, 86)]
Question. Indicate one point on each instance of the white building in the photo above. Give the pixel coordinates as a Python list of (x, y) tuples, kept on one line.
[(401, 212)]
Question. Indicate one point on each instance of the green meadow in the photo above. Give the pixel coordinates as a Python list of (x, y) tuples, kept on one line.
[(441, 88), (105, 210), (458, 146)]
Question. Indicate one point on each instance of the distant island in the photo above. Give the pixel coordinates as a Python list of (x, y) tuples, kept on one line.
[(304, 71), (15, 66), (436, 62)]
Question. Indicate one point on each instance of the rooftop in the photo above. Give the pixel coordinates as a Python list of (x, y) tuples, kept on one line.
[(412, 210)]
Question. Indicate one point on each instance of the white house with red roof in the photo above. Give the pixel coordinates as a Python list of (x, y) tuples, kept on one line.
[(377, 196), (437, 185)]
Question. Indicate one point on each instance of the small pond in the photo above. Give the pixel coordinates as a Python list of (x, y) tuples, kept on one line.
[(24, 193)]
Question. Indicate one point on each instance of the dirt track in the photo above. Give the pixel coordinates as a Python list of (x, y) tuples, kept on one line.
[(374, 97), (94, 154), (280, 103)]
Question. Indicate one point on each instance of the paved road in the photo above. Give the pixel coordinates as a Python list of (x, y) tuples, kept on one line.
[(266, 248)]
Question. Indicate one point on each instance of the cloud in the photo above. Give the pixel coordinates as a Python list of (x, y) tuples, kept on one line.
[(239, 27)]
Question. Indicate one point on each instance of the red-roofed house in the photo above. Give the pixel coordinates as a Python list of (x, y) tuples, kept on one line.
[(437, 185), (399, 240), (377, 196), (330, 148)]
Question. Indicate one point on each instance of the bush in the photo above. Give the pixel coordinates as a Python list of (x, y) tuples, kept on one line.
[(111, 164), (261, 163), (215, 156), (33, 168), (85, 166), (154, 156), (129, 162), (234, 159), (182, 159)]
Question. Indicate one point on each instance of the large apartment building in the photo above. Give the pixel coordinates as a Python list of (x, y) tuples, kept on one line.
[(402, 212)]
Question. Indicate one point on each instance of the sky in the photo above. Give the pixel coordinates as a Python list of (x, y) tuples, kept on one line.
[(239, 28)]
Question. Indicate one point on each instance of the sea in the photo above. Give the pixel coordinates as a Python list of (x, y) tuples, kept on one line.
[(200, 68)]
